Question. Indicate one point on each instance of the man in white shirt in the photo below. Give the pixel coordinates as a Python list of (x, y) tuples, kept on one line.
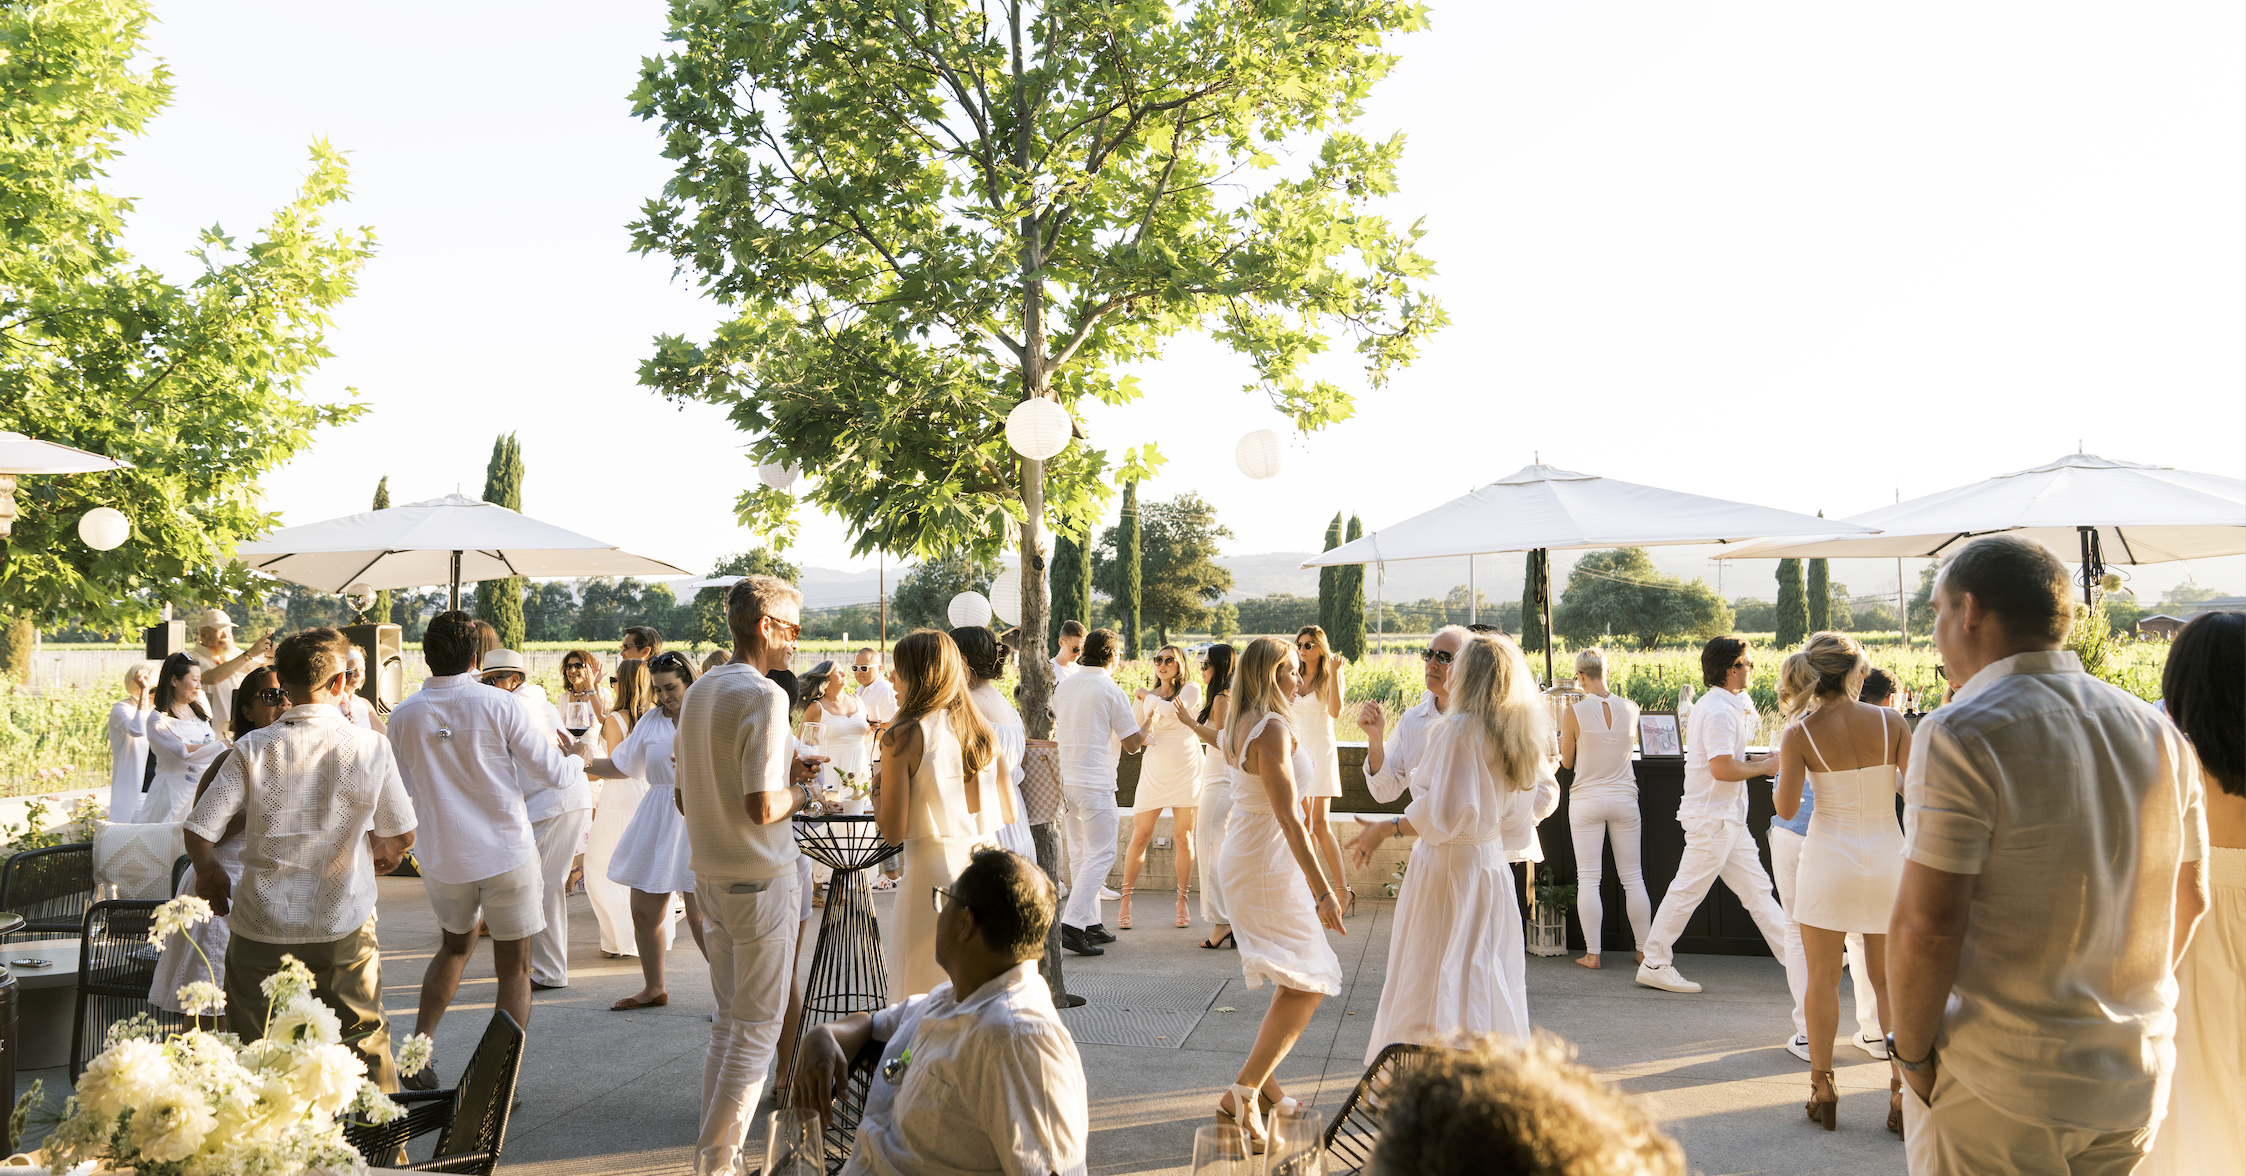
[(978, 1076), (1714, 815), (468, 754), (223, 663), (1072, 648), (740, 784), (874, 688), (560, 811), (2052, 834), (1389, 760), (323, 811), (1094, 725)]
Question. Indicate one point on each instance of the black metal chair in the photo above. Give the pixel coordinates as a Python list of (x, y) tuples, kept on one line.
[(51, 888), (470, 1119), (116, 967), (1355, 1129)]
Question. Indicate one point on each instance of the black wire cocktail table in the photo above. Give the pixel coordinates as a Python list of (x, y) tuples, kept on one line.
[(848, 974)]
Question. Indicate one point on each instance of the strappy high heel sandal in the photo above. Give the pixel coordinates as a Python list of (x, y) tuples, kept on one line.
[(1183, 919), (1123, 919), (1349, 910), (1245, 1114), (1824, 1109), (1895, 1106)]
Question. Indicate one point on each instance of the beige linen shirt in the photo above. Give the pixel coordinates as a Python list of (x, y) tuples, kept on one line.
[(2074, 804), (732, 740)]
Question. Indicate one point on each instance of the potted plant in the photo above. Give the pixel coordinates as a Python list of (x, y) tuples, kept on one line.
[(1548, 918)]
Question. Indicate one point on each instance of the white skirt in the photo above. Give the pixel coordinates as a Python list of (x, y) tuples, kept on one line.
[(1272, 910), (653, 855), (180, 965), (1456, 959)]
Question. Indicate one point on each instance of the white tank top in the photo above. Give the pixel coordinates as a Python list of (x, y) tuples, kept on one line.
[(1602, 747)]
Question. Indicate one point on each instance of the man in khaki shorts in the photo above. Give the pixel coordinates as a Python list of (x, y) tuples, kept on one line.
[(467, 752)]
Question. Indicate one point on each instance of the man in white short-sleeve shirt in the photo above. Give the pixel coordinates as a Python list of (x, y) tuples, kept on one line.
[(1389, 759), (1094, 726), (469, 755), (1718, 843), (560, 811), (978, 1076), (2053, 829), (1072, 648), (740, 784)]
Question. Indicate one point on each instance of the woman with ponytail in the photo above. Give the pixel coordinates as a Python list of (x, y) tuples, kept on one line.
[(1456, 958), (1853, 755), (985, 657)]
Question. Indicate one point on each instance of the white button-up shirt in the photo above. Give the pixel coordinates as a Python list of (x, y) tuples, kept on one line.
[(2073, 804), (1091, 719), (993, 1084), (880, 700), (312, 786), (1402, 748), (558, 796), (1063, 670), (732, 740), (467, 752), (1719, 727)]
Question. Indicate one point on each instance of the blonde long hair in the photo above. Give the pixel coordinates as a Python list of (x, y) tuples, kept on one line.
[(1325, 657), (1491, 687), (635, 691), (1827, 666), (934, 678), (1255, 691)]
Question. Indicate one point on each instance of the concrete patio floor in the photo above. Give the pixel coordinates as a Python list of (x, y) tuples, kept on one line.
[(608, 1092)]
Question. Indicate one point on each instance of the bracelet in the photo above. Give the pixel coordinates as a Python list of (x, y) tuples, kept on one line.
[(1397, 825), (1323, 897)]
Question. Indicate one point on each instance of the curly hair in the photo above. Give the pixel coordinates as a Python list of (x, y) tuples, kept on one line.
[(1498, 1107)]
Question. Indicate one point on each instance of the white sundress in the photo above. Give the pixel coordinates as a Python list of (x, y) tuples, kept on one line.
[(652, 856), (1314, 728), (1273, 912)]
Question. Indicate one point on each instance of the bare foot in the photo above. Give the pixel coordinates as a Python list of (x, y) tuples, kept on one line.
[(1589, 961), (1641, 957)]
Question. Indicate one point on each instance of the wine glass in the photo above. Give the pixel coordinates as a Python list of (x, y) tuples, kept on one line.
[(794, 1144), (1297, 1146), (577, 715), (1219, 1149)]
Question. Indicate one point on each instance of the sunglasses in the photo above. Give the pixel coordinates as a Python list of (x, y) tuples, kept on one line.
[(1742, 665), (936, 899), (865, 669), (788, 629), (1438, 656), (669, 661), (1165, 661), (270, 695), (1307, 645)]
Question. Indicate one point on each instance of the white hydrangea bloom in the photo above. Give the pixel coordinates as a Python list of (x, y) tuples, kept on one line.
[(305, 1020), (125, 1075)]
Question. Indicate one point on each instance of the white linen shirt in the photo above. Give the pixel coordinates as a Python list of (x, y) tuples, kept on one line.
[(2073, 803), (1402, 749), (993, 1084), (732, 740), (558, 796), (1719, 727), (311, 786), (467, 752), (1091, 718), (1063, 671), (880, 700)]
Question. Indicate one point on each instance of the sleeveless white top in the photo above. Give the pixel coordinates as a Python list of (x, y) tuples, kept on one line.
[(1602, 745)]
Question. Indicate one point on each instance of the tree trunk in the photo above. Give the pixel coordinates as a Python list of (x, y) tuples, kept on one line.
[(1127, 601), (19, 638)]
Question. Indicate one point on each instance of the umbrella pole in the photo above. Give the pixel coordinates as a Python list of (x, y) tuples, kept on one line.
[(455, 603), (1544, 604), (2093, 564)]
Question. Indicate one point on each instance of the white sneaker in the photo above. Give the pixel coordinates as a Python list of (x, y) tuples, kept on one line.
[(1108, 894), (1665, 978), (1875, 1046), (1798, 1046)]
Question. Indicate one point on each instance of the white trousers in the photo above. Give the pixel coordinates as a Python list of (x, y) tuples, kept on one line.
[(1715, 849), (1785, 862), (1961, 1135), (556, 839), (1611, 818), (1091, 824), (752, 941), (1208, 846)]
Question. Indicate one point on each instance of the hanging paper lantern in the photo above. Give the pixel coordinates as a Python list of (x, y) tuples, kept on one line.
[(1260, 454), (969, 610), (777, 476), (1038, 428), (103, 528), (1006, 595)]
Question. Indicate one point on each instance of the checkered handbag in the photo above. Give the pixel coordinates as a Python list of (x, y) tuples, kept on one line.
[(1041, 781)]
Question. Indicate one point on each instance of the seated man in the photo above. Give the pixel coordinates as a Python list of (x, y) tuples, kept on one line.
[(988, 1082), (1499, 1107)]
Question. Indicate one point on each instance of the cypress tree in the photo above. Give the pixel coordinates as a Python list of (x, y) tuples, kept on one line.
[(499, 603), (1127, 542), (1349, 607), (382, 600), (1072, 586), (1793, 607), (1329, 581), (1532, 608), (1820, 597)]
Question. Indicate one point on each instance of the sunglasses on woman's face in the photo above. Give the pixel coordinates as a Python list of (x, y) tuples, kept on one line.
[(270, 696), (1165, 661), (1307, 646)]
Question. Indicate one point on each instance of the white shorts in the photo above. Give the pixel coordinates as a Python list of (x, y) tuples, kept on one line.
[(804, 913), (512, 904)]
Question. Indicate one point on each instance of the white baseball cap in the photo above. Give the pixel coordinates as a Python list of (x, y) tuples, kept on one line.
[(503, 661), (211, 618)]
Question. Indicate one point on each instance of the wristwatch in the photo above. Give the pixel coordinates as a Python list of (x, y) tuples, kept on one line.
[(811, 805), (1925, 1063)]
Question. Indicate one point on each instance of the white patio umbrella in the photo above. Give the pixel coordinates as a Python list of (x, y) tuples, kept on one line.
[(2106, 511), (442, 541), (1543, 509), (22, 455)]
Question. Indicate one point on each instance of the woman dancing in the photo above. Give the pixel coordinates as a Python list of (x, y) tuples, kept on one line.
[(1313, 706), (180, 735), (1216, 788), (1169, 777), (652, 856), (614, 808)]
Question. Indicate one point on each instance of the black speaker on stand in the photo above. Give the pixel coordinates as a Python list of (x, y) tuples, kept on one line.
[(165, 639), (384, 646)]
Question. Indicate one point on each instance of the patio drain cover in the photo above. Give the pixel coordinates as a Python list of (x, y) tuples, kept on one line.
[(1155, 1013)]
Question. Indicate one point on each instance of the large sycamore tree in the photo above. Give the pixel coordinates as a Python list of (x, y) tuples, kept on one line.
[(920, 213)]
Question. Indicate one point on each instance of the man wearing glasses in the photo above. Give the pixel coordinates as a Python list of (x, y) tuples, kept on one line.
[(1388, 766), (640, 643), (978, 1075), (739, 785), (875, 689), (1714, 816)]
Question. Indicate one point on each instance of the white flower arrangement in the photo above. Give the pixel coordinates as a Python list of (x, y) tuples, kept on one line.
[(197, 1103)]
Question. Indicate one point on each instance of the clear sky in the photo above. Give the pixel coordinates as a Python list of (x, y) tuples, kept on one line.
[(1806, 255)]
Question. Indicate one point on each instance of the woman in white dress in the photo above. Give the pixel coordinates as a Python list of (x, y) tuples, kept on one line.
[(985, 658), (841, 735), (257, 703), (1456, 957), (614, 808), (2204, 691), (128, 744), (1279, 893), (938, 797), (1216, 788), (180, 733), (652, 857), (1854, 755), (1169, 776), (1596, 735), (1313, 706)]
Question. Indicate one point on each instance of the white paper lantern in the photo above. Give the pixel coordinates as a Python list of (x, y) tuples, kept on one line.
[(1038, 428), (1006, 596), (103, 528), (968, 610), (1260, 454), (777, 476)]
